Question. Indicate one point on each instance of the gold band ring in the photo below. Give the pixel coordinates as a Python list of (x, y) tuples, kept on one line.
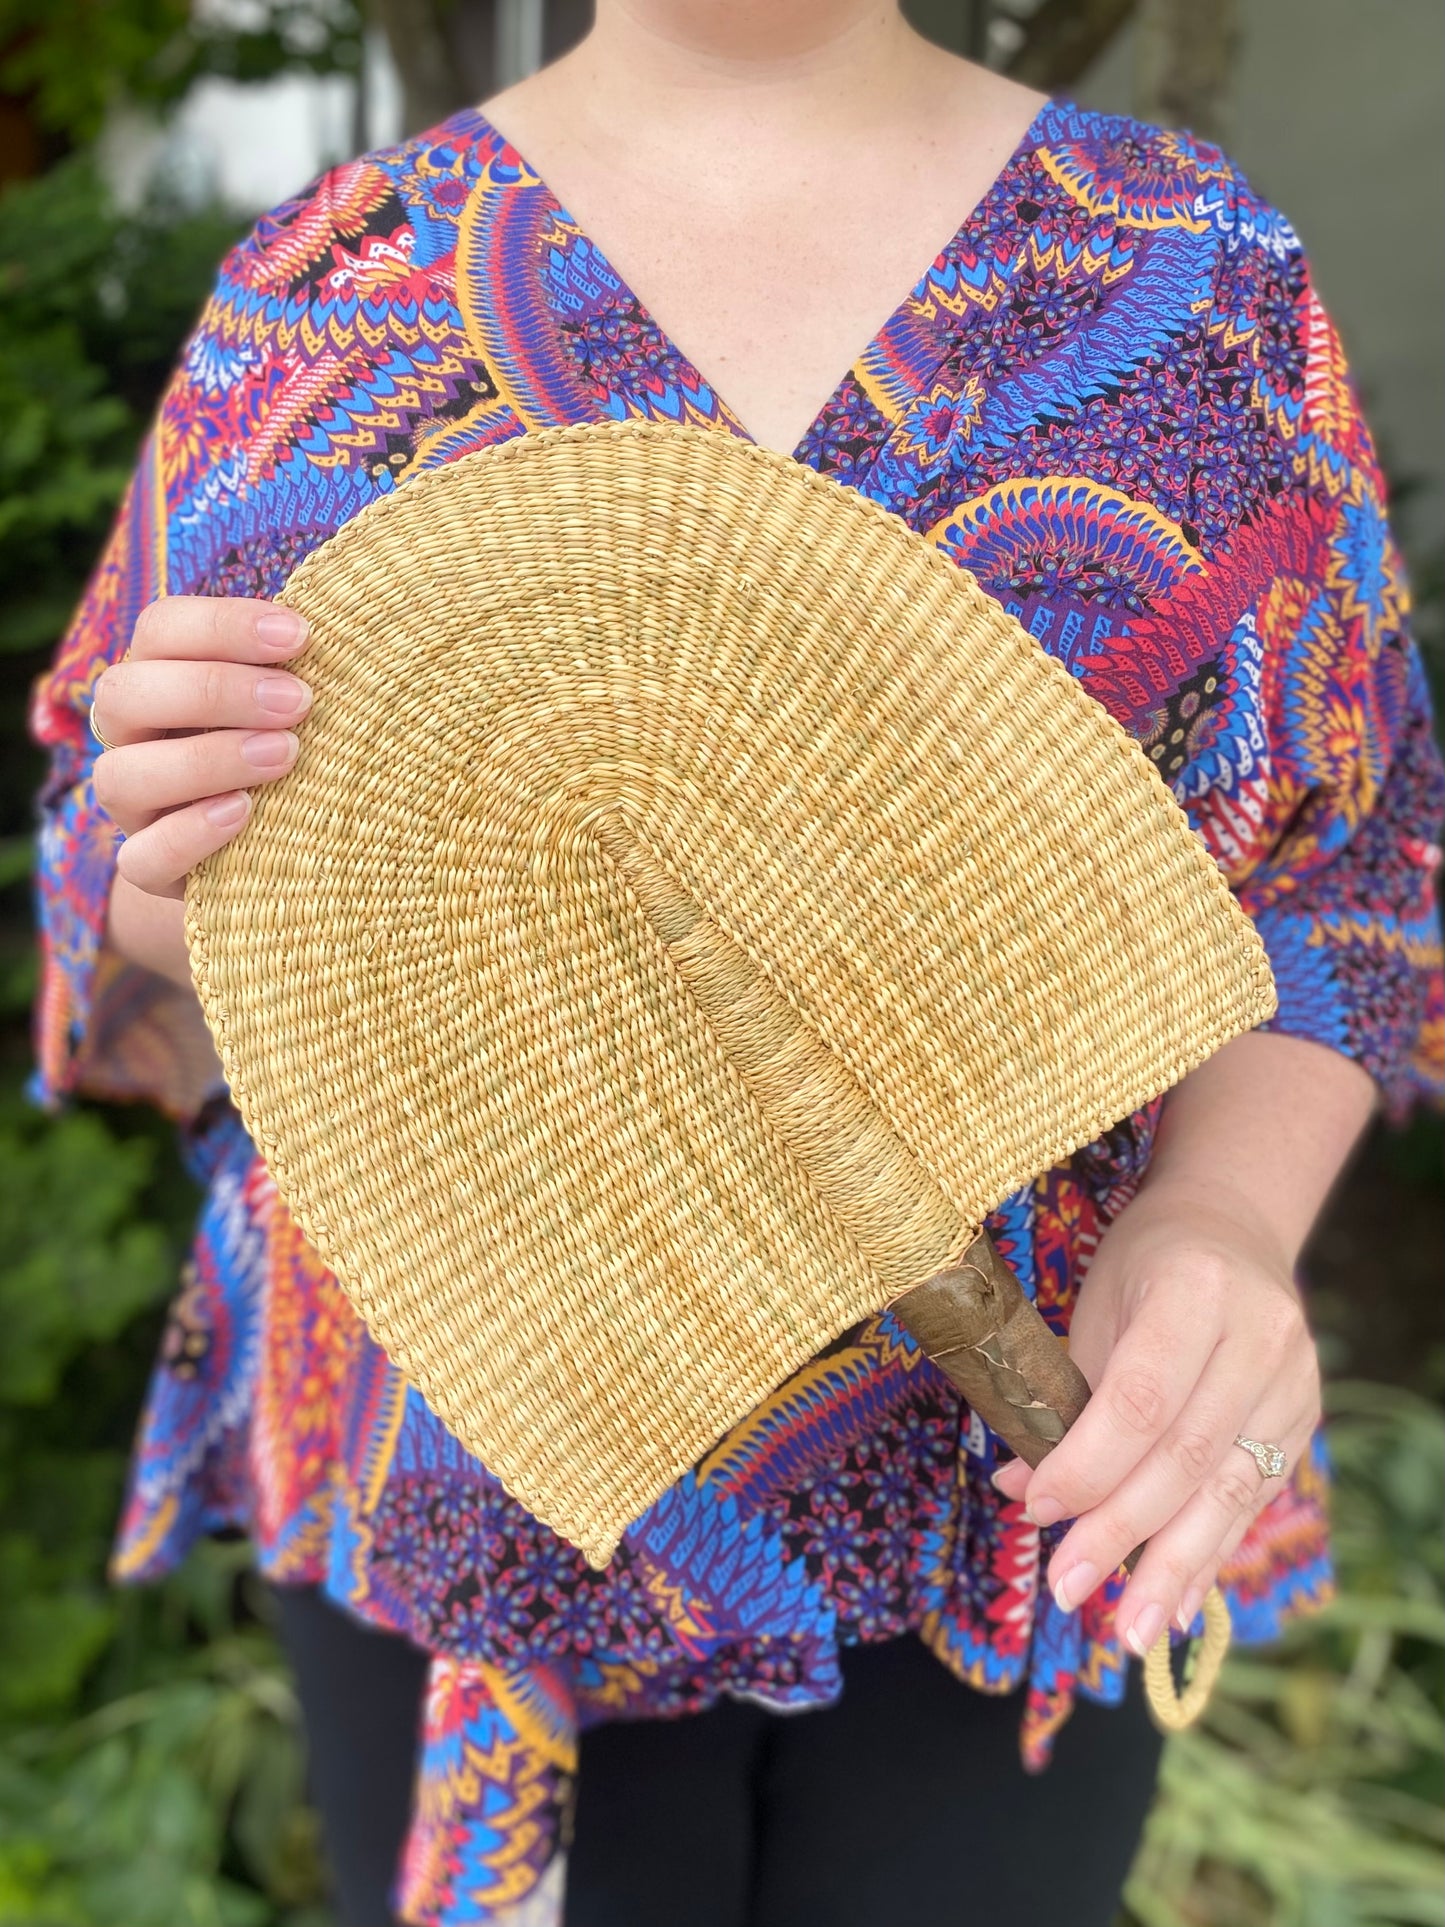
[(95, 729), (97, 732)]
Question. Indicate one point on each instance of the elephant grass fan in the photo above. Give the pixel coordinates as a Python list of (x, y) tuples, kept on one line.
[(694, 906)]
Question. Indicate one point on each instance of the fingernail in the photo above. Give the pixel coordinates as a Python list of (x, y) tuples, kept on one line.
[(1145, 1629), (1075, 1585), (1189, 1608), (1043, 1512), (997, 1473), (282, 695), (226, 810), (281, 629), (269, 748)]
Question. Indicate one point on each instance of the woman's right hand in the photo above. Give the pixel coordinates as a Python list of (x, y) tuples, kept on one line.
[(198, 712)]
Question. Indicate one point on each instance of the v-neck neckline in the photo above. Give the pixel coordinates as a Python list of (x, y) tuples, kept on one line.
[(886, 330)]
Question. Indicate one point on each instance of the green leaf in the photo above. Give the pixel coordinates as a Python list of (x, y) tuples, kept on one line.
[(50, 1639), (74, 1265)]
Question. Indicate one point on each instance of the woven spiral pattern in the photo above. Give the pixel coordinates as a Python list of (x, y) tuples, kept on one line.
[(694, 905)]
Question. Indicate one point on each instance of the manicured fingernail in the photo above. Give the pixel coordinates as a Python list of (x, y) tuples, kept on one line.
[(1189, 1608), (1043, 1512), (282, 695), (281, 629), (1146, 1629), (223, 811), (1075, 1585), (269, 748)]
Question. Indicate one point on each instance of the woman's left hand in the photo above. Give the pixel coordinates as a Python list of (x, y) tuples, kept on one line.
[(1190, 1331)]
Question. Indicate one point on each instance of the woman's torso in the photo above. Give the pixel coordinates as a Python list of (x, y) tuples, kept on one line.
[(1061, 402)]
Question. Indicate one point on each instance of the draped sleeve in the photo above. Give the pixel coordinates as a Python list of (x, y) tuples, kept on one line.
[(103, 1026), (1333, 843)]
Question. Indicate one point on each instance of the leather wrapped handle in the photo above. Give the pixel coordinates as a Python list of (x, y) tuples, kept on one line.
[(993, 1344), (990, 1341)]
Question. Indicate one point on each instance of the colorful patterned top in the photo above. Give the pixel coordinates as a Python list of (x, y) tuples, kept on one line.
[(1115, 397)]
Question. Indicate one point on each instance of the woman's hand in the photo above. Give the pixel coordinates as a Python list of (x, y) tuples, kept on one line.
[(198, 712), (1190, 1331)]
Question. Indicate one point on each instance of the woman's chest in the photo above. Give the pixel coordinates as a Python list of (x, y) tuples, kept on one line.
[(771, 269), (773, 309), (771, 314)]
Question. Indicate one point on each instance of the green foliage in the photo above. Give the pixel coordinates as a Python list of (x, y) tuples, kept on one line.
[(177, 1800), (150, 1764), (76, 59), (149, 1759), (148, 1756), (1311, 1795), (92, 305), (77, 1264), (1429, 584)]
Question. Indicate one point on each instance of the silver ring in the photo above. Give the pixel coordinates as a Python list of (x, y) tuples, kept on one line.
[(1269, 1458)]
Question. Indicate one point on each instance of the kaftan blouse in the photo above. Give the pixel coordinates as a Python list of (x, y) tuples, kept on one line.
[(1115, 397)]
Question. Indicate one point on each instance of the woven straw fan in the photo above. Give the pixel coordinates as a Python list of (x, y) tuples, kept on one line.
[(695, 904)]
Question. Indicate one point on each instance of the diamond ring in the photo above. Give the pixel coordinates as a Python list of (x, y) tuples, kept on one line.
[(1269, 1458)]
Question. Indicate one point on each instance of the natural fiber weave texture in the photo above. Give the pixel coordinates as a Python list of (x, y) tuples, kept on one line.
[(695, 904)]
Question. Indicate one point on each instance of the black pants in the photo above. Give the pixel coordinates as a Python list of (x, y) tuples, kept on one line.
[(904, 1804)]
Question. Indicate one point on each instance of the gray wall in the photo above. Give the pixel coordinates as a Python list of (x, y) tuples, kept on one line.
[(1337, 115)]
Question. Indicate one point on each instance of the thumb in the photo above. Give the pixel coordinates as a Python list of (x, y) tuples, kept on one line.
[(1012, 1479)]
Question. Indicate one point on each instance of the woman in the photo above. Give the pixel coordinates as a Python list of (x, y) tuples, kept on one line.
[(1112, 394)]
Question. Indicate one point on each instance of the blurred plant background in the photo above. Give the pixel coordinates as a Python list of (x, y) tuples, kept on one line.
[(150, 1767)]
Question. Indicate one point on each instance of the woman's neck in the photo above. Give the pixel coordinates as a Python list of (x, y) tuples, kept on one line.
[(651, 68)]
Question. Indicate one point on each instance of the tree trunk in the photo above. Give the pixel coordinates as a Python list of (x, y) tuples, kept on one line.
[(442, 51), (445, 51), (1184, 62), (961, 25), (1064, 37)]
